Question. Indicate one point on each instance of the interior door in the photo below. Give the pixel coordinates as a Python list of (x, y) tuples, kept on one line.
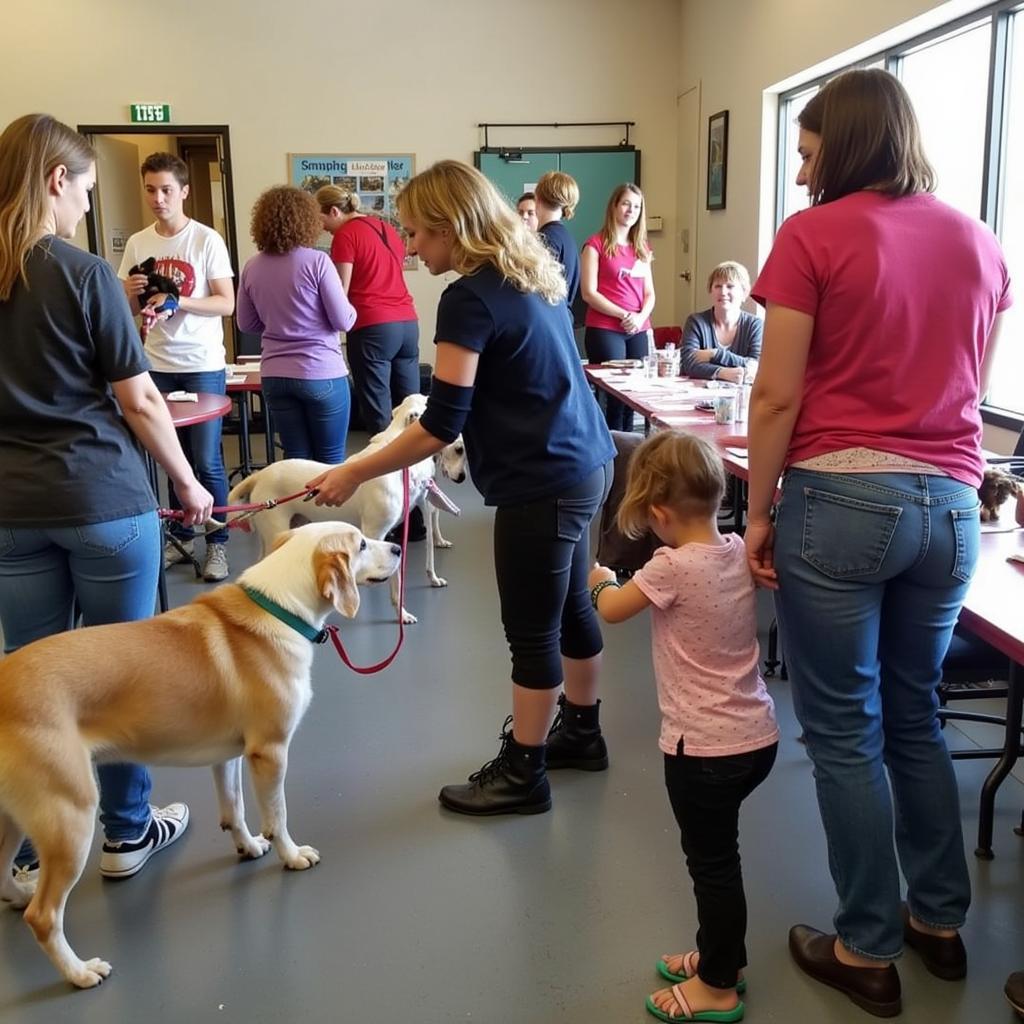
[(519, 175), (687, 190)]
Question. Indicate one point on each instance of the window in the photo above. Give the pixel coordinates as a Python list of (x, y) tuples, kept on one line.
[(955, 76)]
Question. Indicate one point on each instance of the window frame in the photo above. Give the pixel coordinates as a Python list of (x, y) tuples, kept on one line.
[(996, 127)]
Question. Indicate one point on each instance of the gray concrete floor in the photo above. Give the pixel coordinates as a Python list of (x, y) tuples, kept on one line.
[(417, 915)]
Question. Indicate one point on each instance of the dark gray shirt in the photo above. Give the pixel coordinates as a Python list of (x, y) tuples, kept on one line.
[(699, 333), (68, 457)]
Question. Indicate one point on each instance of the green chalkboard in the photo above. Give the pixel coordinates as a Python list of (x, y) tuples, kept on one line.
[(597, 172)]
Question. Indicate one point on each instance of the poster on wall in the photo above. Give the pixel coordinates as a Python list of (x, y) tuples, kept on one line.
[(377, 180)]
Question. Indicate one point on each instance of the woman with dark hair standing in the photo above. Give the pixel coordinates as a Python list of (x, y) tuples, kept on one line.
[(383, 348), (290, 295), (78, 522), (504, 342), (883, 309), (616, 283)]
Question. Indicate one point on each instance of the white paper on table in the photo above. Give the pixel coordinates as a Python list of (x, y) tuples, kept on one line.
[(1004, 524), (241, 369)]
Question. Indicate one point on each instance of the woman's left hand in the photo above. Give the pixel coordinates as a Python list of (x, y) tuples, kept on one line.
[(598, 574), (630, 323), (335, 486), (704, 355), (759, 540)]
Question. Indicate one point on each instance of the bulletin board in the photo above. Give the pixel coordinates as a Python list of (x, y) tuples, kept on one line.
[(377, 180)]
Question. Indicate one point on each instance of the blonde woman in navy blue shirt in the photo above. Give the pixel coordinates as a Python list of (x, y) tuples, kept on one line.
[(508, 377)]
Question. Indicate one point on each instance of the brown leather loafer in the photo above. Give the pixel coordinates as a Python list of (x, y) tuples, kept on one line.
[(875, 989), (946, 958)]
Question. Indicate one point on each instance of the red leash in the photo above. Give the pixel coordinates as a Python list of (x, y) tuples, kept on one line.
[(332, 631)]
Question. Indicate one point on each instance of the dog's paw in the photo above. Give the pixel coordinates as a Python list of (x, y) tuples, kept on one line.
[(18, 895), (437, 581), (440, 542), (305, 857), (255, 848), (408, 619), (90, 973)]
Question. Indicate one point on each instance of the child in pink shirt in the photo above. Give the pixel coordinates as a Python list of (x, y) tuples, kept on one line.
[(718, 729)]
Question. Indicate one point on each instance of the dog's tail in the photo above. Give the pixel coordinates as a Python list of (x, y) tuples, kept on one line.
[(242, 491)]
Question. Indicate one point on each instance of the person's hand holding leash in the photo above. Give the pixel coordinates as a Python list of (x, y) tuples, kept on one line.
[(335, 486), (196, 501)]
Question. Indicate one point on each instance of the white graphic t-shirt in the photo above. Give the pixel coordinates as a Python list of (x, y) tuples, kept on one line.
[(192, 258)]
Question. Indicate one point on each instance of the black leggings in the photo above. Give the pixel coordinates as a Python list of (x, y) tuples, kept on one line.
[(542, 559), (385, 364), (601, 345)]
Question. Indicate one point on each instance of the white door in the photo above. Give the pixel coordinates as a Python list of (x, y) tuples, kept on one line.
[(687, 187)]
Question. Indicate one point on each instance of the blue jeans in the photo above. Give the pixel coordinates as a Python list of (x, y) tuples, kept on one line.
[(311, 416), (111, 570), (873, 569), (200, 443), (602, 344)]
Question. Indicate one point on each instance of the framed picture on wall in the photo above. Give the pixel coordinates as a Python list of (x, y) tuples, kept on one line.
[(718, 158)]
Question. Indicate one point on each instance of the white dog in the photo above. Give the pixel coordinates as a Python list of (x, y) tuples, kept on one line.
[(375, 507), (208, 683)]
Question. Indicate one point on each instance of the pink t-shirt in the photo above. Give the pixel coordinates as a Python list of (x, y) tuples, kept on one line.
[(620, 280), (903, 293), (704, 642)]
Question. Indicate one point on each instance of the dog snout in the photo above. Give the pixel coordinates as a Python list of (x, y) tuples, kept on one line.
[(396, 550)]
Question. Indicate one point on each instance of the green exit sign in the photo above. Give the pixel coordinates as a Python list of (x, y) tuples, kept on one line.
[(150, 113)]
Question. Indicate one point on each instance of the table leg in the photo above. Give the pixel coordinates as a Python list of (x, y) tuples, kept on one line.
[(244, 449), (1003, 767)]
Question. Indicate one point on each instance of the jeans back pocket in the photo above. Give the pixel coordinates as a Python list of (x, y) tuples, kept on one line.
[(573, 516), (846, 537), (967, 535)]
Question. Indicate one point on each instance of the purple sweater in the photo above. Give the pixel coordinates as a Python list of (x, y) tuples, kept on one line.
[(295, 300)]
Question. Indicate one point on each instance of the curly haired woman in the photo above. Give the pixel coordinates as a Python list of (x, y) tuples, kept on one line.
[(291, 295)]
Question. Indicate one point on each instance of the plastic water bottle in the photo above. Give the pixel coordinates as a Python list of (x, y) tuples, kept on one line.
[(742, 402)]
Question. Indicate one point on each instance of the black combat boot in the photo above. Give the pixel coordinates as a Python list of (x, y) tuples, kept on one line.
[(575, 740), (513, 783)]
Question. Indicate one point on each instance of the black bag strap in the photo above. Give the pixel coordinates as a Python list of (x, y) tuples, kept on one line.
[(383, 235)]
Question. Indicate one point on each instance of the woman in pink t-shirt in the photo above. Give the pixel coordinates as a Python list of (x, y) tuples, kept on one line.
[(718, 730), (616, 285), (883, 305)]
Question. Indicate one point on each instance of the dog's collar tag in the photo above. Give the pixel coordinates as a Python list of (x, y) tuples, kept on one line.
[(316, 636)]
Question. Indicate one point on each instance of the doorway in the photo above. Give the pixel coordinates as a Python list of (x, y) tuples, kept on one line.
[(118, 208), (687, 178)]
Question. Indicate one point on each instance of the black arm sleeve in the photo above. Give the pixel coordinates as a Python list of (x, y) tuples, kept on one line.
[(447, 408)]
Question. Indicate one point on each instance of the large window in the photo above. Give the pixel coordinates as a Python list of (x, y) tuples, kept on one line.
[(967, 84)]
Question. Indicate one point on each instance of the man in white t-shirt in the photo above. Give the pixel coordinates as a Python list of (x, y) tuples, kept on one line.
[(185, 347)]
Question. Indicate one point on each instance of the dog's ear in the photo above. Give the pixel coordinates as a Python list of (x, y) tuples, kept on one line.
[(281, 538), (336, 582)]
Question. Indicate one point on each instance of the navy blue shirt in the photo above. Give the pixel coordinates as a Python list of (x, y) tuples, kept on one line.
[(534, 428), (563, 248), (68, 457)]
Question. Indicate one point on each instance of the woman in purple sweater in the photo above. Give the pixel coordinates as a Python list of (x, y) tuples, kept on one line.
[(290, 293)]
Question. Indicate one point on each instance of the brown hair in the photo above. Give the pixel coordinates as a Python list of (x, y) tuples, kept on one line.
[(525, 195), (285, 218), (333, 195), (30, 148), (730, 271), (637, 237), (156, 163), (870, 138), (559, 190), (484, 227), (674, 469)]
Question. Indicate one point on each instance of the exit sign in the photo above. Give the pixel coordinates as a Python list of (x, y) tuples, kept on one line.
[(150, 113)]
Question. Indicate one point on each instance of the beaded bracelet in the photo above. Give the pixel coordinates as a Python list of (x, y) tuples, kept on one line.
[(595, 591)]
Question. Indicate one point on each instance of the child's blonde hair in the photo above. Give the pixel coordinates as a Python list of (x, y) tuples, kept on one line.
[(674, 469)]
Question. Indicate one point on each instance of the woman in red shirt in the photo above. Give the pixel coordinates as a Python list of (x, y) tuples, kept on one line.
[(616, 284), (383, 347)]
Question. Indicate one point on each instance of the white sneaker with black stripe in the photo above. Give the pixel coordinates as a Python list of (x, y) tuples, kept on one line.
[(127, 858)]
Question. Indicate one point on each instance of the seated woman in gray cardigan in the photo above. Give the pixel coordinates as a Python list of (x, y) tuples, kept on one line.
[(723, 342)]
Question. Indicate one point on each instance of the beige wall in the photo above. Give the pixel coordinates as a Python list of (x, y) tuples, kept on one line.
[(305, 77)]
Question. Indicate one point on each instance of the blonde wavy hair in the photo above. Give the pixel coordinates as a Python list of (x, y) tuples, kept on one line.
[(637, 237), (332, 195), (30, 148), (454, 195), (558, 190), (675, 470)]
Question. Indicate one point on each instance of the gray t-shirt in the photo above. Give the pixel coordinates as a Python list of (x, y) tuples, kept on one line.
[(68, 457)]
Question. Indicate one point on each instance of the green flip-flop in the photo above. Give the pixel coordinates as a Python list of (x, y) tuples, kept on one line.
[(662, 967), (708, 1016)]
